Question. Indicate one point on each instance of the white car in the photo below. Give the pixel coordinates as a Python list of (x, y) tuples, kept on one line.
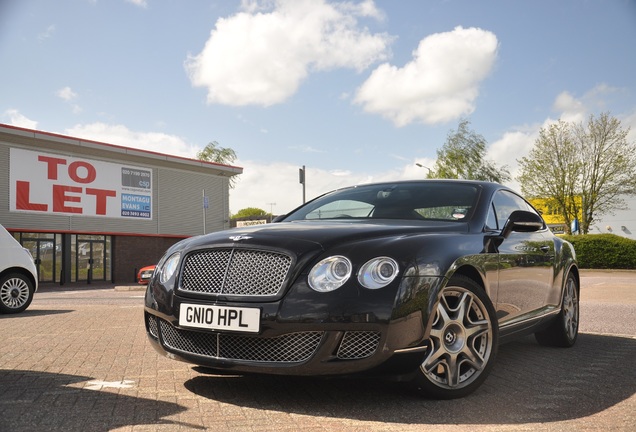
[(18, 275)]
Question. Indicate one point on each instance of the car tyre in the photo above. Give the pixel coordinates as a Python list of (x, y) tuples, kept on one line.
[(16, 293), (564, 330), (463, 342)]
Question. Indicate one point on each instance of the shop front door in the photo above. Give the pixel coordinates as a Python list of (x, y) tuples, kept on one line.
[(91, 260), (44, 252)]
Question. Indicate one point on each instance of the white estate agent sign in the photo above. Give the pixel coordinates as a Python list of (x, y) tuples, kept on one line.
[(55, 184)]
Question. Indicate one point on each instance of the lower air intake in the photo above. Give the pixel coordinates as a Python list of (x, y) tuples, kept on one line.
[(288, 348), (358, 345)]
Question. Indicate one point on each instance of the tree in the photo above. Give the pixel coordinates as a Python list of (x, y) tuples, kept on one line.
[(608, 167), (463, 157), (251, 212), (213, 152), (551, 170), (586, 169)]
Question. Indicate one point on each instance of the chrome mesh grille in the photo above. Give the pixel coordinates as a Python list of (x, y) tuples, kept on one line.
[(242, 272), (152, 326), (358, 345), (288, 348)]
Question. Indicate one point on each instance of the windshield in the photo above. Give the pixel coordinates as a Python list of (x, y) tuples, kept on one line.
[(446, 201)]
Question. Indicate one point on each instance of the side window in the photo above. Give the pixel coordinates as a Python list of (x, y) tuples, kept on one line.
[(505, 203), (491, 221)]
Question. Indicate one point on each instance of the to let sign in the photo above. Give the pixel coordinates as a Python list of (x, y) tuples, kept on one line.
[(63, 185)]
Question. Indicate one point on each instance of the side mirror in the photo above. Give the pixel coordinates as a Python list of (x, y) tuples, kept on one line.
[(522, 221), (279, 218)]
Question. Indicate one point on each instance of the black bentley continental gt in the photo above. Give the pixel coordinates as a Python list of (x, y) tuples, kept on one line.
[(417, 279)]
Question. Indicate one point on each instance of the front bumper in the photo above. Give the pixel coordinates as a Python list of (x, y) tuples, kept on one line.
[(299, 349), (304, 332)]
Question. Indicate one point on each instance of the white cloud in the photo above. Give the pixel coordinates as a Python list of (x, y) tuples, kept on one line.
[(512, 146), (262, 184), (261, 55), (340, 173), (517, 142), (366, 8), (19, 120), (140, 3), (441, 83), (573, 109), (570, 108), (47, 33), (122, 136), (629, 121), (306, 149), (66, 94)]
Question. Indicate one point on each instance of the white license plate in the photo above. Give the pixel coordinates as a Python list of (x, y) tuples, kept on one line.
[(220, 317)]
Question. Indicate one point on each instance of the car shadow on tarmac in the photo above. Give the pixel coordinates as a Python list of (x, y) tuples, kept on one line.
[(528, 384), (42, 401), (35, 313)]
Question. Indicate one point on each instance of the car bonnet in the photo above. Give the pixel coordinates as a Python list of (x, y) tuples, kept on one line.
[(308, 235)]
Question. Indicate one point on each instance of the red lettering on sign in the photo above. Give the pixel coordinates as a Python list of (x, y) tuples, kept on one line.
[(52, 163), (100, 198), (63, 198), (23, 198), (60, 198), (90, 170), (62, 195)]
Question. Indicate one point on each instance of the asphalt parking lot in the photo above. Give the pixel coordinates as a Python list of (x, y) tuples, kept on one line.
[(78, 360)]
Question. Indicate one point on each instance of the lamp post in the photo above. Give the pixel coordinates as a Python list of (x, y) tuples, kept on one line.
[(422, 166), (302, 178), (271, 210)]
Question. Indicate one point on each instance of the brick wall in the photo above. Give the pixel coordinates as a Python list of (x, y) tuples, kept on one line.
[(130, 253)]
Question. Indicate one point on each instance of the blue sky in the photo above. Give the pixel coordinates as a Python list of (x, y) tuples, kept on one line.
[(356, 91)]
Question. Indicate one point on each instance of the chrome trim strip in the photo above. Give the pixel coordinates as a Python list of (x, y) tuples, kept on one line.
[(410, 350), (524, 319)]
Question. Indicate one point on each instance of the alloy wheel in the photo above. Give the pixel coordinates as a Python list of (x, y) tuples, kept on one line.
[(14, 293), (570, 309), (461, 340)]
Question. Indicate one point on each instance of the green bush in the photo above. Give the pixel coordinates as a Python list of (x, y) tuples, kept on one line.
[(604, 251)]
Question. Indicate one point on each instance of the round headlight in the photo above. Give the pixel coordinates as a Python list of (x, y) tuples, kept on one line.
[(378, 272), (330, 274), (169, 267)]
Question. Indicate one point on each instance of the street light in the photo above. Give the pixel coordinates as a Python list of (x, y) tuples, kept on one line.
[(302, 178), (422, 166), (271, 211)]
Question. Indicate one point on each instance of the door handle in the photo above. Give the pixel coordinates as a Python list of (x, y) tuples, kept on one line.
[(545, 249)]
